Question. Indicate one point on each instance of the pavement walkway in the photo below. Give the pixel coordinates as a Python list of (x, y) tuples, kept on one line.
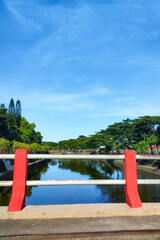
[(82, 228), (81, 221)]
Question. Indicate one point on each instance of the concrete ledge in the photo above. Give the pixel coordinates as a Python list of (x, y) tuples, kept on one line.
[(80, 211), (143, 168)]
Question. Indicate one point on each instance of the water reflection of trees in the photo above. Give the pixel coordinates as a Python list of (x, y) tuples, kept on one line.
[(148, 193), (5, 192), (33, 174), (98, 170), (116, 193), (95, 169), (5, 195)]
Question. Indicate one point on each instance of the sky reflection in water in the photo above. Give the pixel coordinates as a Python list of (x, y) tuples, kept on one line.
[(80, 170)]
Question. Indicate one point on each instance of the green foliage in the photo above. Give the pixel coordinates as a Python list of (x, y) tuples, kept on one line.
[(93, 142), (18, 113), (8, 122), (4, 132), (50, 145), (28, 133), (11, 108), (44, 148), (37, 137), (145, 127), (15, 128), (4, 144), (3, 109), (139, 134), (19, 145), (35, 147), (12, 127), (141, 147)]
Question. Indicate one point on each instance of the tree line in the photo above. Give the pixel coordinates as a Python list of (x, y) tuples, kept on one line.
[(16, 131), (139, 134)]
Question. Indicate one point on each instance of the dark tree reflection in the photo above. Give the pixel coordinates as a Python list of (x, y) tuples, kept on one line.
[(80, 169), (99, 170), (33, 174)]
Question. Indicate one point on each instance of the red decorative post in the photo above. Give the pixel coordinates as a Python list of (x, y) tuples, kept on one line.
[(130, 175), (17, 201)]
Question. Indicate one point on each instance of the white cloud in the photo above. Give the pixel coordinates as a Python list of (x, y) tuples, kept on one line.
[(62, 102), (124, 99), (134, 109), (89, 39), (85, 104), (16, 8)]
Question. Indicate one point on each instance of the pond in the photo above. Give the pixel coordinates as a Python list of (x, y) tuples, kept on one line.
[(80, 170)]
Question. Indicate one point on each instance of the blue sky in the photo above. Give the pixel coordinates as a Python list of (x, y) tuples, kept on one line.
[(78, 66)]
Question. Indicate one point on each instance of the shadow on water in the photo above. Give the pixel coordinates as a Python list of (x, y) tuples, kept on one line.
[(80, 170), (33, 174)]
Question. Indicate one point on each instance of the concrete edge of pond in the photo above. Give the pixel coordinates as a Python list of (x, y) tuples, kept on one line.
[(80, 211), (147, 168)]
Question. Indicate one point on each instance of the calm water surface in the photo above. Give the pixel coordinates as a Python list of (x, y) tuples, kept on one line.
[(80, 170)]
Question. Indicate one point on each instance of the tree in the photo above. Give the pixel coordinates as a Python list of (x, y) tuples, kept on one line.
[(93, 142), (18, 112), (81, 137), (11, 108), (82, 142), (121, 134), (28, 133), (19, 145), (37, 137), (14, 127), (152, 141), (11, 122), (51, 145), (63, 145), (35, 147), (3, 110), (4, 133), (145, 127), (13, 133)]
